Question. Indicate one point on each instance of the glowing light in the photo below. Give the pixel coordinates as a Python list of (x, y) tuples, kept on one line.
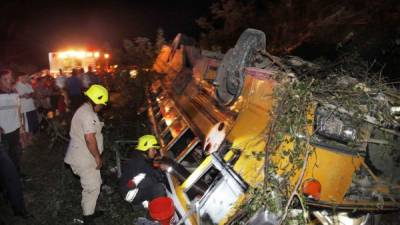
[(169, 169), (80, 54), (70, 53), (168, 121), (106, 56), (62, 55), (96, 54), (74, 54), (133, 73)]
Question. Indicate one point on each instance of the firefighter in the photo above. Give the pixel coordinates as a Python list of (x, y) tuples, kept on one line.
[(85, 148), (140, 182)]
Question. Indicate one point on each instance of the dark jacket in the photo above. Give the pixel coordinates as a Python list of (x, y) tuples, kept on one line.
[(150, 187)]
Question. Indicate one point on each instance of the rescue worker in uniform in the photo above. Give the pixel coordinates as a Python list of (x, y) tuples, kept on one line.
[(85, 149), (140, 182)]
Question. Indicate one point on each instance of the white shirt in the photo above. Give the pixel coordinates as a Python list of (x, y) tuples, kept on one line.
[(61, 81), (9, 116), (84, 121), (27, 104), (85, 80)]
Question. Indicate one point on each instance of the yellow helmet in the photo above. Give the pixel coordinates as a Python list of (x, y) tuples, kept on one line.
[(98, 94), (146, 142)]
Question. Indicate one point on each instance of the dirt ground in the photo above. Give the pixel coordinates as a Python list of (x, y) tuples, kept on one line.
[(52, 192)]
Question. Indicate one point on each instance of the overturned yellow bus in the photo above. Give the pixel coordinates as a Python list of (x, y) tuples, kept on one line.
[(212, 113)]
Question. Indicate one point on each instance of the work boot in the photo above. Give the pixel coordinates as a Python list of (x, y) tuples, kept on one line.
[(98, 213), (23, 214), (88, 220)]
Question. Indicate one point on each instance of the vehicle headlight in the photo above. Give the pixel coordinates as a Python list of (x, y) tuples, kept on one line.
[(334, 126)]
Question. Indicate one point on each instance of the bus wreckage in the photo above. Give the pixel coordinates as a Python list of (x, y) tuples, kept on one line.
[(213, 114)]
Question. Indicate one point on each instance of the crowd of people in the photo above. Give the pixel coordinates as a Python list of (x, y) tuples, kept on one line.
[(26, 102), (65, 92)]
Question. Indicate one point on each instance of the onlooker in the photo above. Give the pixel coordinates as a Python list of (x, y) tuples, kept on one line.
[(61, 106), (61, 80), (10, 181), (42, 95), (94, 78), (74, 88), (10, 116), (89, 78), (85, 79), (53, 92), (108, 80), (28, 109)]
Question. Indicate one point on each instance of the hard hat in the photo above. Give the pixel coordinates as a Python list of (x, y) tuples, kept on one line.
[(146, 142), (98, 94)]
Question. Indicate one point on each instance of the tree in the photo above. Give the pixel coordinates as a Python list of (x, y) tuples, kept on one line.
[(160, 40), (229, 18), (138, 51), (290, 23)]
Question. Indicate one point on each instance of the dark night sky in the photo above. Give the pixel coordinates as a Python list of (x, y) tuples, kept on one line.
[(52, 25), (29, 29)]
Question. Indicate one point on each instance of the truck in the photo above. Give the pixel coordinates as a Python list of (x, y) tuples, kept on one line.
[(70, 59)]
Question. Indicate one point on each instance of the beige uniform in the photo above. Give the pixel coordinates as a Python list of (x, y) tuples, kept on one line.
[(78, 156)]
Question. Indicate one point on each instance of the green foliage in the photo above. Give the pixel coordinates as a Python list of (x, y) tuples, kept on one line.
[(140, 51), (264, 198), (160, 41), (235, 16)]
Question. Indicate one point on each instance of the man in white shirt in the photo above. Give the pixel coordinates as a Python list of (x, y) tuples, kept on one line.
[(28, 109), (61, 80), (9, 130), (10, 116)]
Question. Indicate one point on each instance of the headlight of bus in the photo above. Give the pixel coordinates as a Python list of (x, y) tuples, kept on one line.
[(334, 126)]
